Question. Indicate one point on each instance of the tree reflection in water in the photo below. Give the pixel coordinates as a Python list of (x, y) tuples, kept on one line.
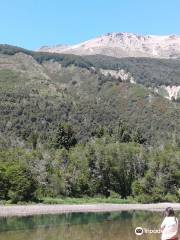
[(81, 226)]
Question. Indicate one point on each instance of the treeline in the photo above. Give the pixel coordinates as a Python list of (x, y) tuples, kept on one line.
[(106, 165), (147, 71), (64, 59)]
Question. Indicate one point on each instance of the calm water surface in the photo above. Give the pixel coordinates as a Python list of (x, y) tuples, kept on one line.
[(81, 226)]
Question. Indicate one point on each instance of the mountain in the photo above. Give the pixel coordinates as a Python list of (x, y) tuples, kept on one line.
[(122, 45), (40, 90), (78, 126)]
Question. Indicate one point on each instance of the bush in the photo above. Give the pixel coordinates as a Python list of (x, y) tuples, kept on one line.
[(17, 183), (22, 184), (3, 183)]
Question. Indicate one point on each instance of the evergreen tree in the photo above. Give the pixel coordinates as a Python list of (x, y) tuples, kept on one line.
[(64, 137)]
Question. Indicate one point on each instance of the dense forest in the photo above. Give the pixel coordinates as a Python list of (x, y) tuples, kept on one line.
[(68, 131)]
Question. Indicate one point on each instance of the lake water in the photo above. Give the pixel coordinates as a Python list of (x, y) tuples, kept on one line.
[(82, 226)]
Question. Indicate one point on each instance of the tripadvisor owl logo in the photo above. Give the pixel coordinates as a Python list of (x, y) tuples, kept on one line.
[(139, 231)]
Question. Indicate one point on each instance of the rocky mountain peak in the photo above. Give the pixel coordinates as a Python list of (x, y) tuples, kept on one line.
[(124, 44)]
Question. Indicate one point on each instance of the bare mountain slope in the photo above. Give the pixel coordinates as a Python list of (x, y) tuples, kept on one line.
[(124, 45)]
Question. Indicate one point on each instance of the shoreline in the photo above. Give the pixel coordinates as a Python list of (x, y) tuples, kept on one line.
[(42, 209)]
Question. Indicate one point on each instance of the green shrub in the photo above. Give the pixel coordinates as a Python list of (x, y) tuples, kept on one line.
[(17, 183), (3, 183)]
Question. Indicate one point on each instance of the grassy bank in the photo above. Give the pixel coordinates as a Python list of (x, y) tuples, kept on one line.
[(71, 201), (86, 200)]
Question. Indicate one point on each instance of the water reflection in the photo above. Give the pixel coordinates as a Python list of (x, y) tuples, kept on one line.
[(81, 226)]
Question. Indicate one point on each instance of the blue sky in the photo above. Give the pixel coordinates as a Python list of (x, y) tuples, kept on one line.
[(33, 23)]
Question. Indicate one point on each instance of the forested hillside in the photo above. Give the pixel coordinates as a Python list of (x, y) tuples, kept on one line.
[(72, 131)]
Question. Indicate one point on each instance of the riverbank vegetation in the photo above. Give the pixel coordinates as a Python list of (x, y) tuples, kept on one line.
[(107, 166)]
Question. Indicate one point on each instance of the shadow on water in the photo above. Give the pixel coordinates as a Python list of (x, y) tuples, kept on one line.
[(81, 226)]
